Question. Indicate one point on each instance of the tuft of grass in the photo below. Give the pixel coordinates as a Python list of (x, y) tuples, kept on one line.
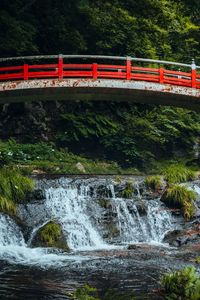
[(178, 174), (13, 189), (153, 182), (178, 196), (183, 285), (7, 206), (128, 190), (13, 185)]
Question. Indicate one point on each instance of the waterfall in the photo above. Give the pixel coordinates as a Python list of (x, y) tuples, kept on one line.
[(76, 205), (10, 234), (134, 227), (76, 209), (70, 207)]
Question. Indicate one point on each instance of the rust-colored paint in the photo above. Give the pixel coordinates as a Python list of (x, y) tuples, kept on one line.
[(100, 89)]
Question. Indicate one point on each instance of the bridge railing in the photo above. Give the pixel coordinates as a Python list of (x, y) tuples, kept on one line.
[(124, 68)]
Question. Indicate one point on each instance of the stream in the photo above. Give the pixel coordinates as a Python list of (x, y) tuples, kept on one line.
[(116, 244)]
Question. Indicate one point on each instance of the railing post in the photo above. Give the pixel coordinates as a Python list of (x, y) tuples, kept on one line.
[(60, 66), (193, 75), (25, 71), (161, 75), (128, 68), (94, 70)]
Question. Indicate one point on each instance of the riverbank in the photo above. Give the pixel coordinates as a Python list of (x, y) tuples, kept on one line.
[(42, 158)]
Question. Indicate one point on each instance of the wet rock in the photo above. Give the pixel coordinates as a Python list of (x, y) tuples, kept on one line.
[(141, 207), (36, 195), (50, 235), (80, 167), (179, 238), (132, 247)]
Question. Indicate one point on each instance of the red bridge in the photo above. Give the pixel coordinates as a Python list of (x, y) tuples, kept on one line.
[(92, 77)]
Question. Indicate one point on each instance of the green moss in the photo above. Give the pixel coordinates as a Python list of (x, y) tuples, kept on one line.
[(183, 284), (7, 206), (179, 196), (50, 235), (178, 174), (153, 182)]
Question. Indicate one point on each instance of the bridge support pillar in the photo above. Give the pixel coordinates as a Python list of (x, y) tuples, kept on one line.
[(60, 67), (25, 71), (128, 69)]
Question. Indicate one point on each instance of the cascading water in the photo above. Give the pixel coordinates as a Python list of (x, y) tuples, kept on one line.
[(75, 204), (70, 207), (10, 234)]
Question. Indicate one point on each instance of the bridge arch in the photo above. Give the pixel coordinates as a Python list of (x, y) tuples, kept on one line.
[(99, 78)]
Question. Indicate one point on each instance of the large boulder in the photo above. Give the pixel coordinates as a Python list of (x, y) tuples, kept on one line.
[(50, 235)]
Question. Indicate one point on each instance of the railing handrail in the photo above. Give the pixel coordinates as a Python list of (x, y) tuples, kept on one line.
[(124, 58)]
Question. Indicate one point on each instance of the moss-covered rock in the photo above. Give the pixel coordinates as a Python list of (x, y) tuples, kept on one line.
[(50, 235)]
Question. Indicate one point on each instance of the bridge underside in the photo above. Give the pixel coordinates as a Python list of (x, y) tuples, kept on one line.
[(100, 90)]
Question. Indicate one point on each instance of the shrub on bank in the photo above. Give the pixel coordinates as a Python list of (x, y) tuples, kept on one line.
[(178, 174), (86, 292), (178, 196), (13, 189), (7, 206), (14, 185), (153, 182), (182, 285), (128, 190)]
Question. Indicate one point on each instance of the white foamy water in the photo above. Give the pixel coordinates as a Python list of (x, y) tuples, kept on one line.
[(70, 207), (10, 233), (80, 215), (148, 227)]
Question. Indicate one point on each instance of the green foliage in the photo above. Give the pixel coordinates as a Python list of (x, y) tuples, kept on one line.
[(47, 158), (84, 126), (128, 190), (13, 185), (132, 135), (183, 285), (11, 152), (86, 293), (179, 196), (7, 206), (153, 182), (13, 189), (178, 174), (50, 235), (154, 29)]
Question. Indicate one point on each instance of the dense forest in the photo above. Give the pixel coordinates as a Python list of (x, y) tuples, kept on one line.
[(132, 135)]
